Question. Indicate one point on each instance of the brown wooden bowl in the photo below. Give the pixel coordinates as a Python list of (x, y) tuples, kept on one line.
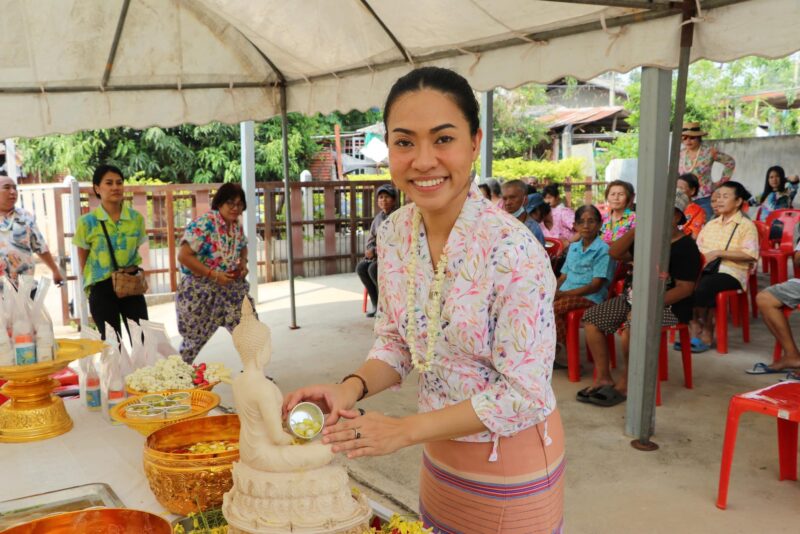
[(96, 521)]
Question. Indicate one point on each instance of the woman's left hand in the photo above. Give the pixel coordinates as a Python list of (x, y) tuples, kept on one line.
[(371, 434), (712, 255)]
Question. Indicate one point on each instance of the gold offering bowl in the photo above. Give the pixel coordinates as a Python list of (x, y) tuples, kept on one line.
[(96, 521), (32, 412), (184, 482)]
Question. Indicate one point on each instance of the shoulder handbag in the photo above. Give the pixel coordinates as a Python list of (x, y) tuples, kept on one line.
[(128, 281), (712, 267)]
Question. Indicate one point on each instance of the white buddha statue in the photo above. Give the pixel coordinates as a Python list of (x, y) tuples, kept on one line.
[(280, 486)]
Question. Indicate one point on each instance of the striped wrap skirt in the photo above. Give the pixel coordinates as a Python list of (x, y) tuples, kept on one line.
[(521, 492)]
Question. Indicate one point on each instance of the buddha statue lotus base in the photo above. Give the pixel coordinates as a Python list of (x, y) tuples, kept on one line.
[(316, 501)]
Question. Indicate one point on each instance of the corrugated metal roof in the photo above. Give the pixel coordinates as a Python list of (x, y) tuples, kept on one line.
[(564, 117)]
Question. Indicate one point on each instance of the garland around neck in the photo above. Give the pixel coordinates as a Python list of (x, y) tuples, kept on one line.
[(433, 307)]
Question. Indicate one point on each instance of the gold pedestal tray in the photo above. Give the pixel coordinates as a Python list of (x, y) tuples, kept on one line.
[(32, 412)]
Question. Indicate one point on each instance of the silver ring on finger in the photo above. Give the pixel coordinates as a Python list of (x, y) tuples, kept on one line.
[(358, 434)]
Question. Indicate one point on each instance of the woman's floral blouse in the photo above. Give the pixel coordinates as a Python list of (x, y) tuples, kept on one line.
[(613, 230), (208, 238), (701, 167), (498, 330)]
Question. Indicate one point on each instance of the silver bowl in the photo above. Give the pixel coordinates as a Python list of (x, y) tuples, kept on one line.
[(303, 416)]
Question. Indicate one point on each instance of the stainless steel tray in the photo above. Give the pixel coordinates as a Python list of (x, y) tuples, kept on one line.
[(15, 511)]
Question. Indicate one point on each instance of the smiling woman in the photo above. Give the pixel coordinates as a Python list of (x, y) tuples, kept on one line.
[(466, 299)]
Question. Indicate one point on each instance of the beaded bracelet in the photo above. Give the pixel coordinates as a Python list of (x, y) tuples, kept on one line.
[(364, 390)]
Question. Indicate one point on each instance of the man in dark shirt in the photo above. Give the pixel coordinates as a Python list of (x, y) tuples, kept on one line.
[(367, 269), (615, 313)]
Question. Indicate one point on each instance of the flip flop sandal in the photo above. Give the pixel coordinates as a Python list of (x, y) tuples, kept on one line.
[(701, 347), (791, 376), (585, 395), (763, 369), (607, 396)]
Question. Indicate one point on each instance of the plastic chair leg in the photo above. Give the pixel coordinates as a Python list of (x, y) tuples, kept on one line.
[(573, 348), (663, 361), (787, 449), (728, 446), (736, 310), (658, 392), (686, 354), (753, 290), (745, 316), (722, 325)]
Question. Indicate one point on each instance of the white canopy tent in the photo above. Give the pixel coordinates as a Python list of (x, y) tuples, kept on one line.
[(67, 65), (83, 64)]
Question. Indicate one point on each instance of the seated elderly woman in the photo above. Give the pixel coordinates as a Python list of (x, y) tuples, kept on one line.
[(730, 245), (586, 273), (620, 217)]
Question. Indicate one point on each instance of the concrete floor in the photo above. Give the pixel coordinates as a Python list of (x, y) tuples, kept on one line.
[(610, 486)]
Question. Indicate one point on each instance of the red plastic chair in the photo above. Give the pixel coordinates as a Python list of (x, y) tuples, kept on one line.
[(781, 401), (554, 247), (763, 244), (737, 299), (778, 254), (686, 353), (573, 345)]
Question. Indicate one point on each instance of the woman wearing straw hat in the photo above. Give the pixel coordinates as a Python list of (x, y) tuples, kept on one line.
[(697, 158)]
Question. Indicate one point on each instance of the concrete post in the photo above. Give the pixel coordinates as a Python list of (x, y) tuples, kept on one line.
[(251, 213), (654, 207), (11, 160), (487, 126)]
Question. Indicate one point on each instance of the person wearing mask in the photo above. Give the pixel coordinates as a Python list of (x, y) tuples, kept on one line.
[(213, 258), (697, 158), (367, 268), (466, 298), (123, 226), (514, 199), (694, 213), (20, 238)]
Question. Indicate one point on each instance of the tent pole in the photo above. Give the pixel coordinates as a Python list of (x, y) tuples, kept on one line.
[(249, 186), (287, 204), (487, 122), (640, 420), (655, 198)]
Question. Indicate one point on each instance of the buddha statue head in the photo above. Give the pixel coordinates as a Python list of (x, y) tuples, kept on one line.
[(252, 338)]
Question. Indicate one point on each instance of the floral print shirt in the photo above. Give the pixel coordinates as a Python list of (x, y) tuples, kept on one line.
[(19, 240), (498, 332), (563, 224), (209, 239), (701, 165), (613, 230)]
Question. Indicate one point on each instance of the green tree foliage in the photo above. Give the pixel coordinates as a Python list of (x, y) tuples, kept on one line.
[(714, 98), (187, 153), (517, 134)]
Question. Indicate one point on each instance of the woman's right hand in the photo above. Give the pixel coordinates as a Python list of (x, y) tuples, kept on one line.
[(223, 279), (331, 398)]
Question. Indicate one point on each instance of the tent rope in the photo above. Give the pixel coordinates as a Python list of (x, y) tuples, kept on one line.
[(614, 36), (699, 17), (476, 55), (48, 119)]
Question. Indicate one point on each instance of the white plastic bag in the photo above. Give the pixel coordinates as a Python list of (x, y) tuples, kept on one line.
[(137, 355), (22, 327), (88, 374), (112, 380), (42, 323), (156, 342)]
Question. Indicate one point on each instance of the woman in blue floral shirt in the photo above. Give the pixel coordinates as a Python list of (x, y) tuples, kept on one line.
[(213, 257)]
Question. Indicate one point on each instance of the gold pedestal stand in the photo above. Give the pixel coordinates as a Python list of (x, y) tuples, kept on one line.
[(32, 412)]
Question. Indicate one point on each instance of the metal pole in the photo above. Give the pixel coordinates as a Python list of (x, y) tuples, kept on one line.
[(687, 36), (655, 198), (487, 125), (287, 204), (248, 139), (75, 214)]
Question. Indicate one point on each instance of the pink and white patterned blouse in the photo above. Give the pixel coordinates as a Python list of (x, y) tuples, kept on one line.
[(701, 165), (498, 332), (563, 223)]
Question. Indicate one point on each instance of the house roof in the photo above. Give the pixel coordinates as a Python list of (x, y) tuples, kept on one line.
[(776, 99), (574, 116)]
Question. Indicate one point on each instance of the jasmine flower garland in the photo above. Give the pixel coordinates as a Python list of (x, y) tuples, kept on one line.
[(434, 307)]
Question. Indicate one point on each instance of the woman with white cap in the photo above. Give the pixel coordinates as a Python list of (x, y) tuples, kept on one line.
[(697, 158)]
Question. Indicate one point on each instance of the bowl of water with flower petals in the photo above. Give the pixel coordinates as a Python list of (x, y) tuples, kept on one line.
[(306, 420)]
